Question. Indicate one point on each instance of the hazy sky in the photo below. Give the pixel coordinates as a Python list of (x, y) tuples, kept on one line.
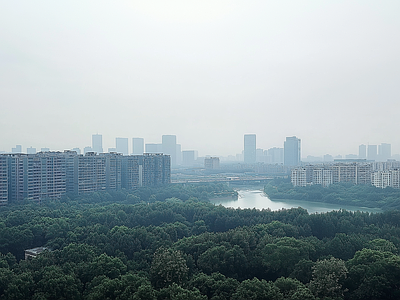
[(207, 71)]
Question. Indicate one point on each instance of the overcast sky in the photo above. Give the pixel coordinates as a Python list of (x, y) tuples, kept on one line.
[(327, 72)]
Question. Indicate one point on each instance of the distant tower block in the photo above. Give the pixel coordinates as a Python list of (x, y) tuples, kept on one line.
[(97, 143), (292, 151), (122, 146), (249, 148), (137, 146)]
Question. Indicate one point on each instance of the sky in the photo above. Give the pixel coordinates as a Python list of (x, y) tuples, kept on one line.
[(207, 71)]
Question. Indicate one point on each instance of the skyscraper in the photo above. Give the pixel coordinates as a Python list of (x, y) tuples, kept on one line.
[(249, 148), (137, 146), (121, 145), (372, 153), (154, 148), (97, 143), (384, 151), (362, 151), (169, 147), (17, 149), (292, 151)]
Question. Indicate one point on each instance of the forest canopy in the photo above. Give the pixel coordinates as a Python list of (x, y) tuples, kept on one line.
[(171, 243)]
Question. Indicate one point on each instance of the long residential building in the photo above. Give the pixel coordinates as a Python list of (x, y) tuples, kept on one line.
[(327, 174), (49, 175), (379, 174)]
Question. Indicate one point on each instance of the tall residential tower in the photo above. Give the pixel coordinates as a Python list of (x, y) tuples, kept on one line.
[(249, 152), (292, 151)]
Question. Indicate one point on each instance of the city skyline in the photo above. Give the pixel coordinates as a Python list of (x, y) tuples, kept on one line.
[(379, 152)]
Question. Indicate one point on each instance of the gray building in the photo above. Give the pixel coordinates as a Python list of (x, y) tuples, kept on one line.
[(31, 150), (275, 155), (384, 152), (249, 152), (292, 151), (188, 158), (113, 170), (132, 171), (49, 175), (154, 148), (362, 151), (3, 180), (97, 143), (372, 153), (137, 146), (156, 169), (17, 149), (169, 147), (121, 146), (211, 163)]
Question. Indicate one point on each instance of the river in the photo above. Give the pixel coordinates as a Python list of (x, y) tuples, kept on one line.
[(257, 199)]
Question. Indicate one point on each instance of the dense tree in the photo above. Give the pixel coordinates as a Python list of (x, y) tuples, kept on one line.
[(123, 245)]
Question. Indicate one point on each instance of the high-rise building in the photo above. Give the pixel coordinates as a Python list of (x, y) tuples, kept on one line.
[(153, 148), (156, 169), (52, 175), (113, 170), (3, 180), (31, 150), (292, 151), (249, 152), (17, 149), (188, 157), (89, 173), (362, 151), (121, 145), (49, 175), (178, 154), (16, 165), (372, 153), (87, 149), (384, 152), (169, 147), (132, 171), (137, 146), (275, 155), (97, 143), (211, 163)]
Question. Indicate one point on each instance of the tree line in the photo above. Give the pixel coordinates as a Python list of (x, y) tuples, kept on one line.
[(341, 193)]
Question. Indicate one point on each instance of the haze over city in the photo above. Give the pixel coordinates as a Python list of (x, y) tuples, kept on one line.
[(206, 71)]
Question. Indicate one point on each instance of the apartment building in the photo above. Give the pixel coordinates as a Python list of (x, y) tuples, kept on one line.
[(3, 181), (156, 169), (327, 174), (132, 171), (49, 175)]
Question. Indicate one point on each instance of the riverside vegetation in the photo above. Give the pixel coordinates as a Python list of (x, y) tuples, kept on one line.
[(343, 193), (170, 243)]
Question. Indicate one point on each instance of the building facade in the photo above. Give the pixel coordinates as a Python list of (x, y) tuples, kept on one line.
[(292, 151), (249, 152), (121, 146), (97, 143), (137, 146), (3, 180), (50, 175), (211, 163)]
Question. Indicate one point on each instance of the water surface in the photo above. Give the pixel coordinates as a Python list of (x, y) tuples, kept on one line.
[(257, 199)]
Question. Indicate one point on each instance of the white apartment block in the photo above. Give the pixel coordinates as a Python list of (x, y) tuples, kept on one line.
[(381, 179), (322, 177), (299, 177)]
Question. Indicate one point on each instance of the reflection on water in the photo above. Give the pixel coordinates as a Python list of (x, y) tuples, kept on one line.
[(257, 199)]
